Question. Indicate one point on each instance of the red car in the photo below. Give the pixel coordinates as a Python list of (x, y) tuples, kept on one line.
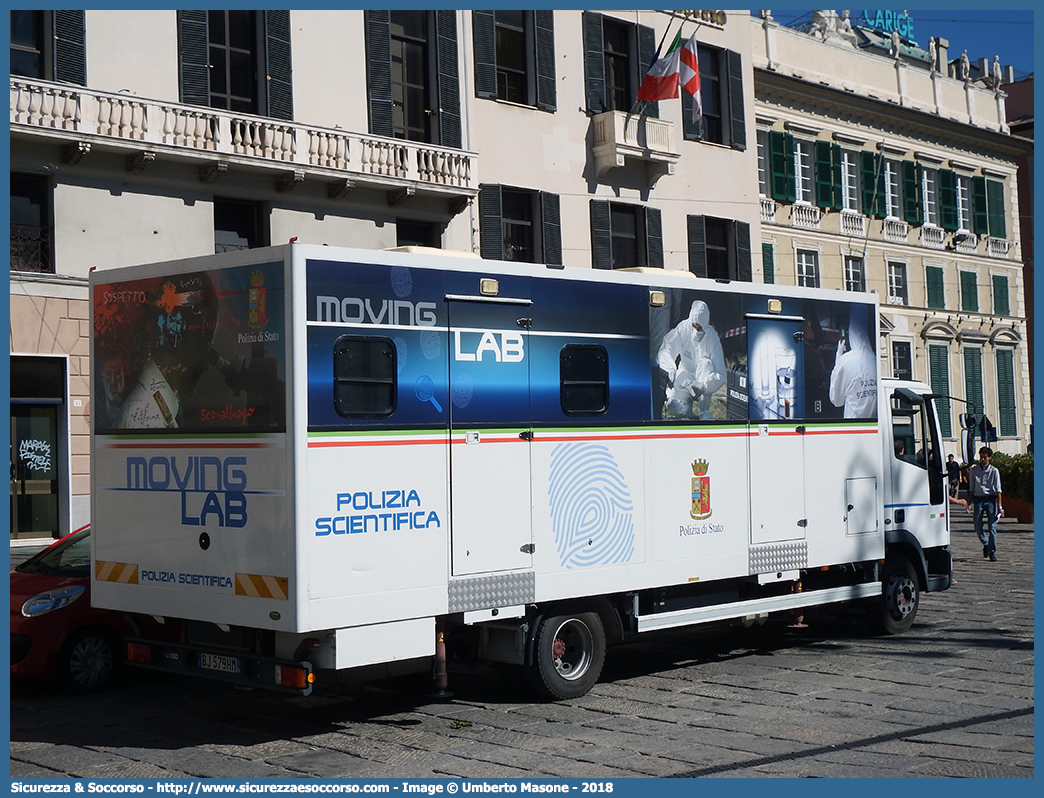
[(55, 632)]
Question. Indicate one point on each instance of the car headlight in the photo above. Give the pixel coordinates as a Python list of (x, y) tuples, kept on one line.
[(51, 600)]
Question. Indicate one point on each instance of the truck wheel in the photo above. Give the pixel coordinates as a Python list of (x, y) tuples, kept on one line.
[(900, 596), (568, 655), (88, 660)]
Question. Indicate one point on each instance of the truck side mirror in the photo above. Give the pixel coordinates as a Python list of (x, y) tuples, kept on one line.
[(967, 420), (967, 446)]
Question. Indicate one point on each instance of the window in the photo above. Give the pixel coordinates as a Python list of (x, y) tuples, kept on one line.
[(881, 185), (625, 236), (616, 56), (855, 279), (721, 93), (973, 379), (1006, 392), (49, 45), (719, 248), (763, 174), (584, 376), (930, 195), (988, 207), (969, 292), (409, 233), (515, 57), (768, 263), (237, 225), (912, 192), (897, 283), (803, 171), (364, 376), (902, 360), (808, 268), (939, 376), (1000, 295), (934, 287), (850, 182), (519, 225), (964, 208), (236, 60), (413, 81), (891, 186), (31, 224)]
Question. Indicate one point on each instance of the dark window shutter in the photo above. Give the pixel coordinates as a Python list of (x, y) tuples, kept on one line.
[(973, 379), (948, 199), (936, 291), (378, 72), (653, 238), (601, 235), (969, 292), (737, 113), (485, 53), (837, 178), (743, 268), (491, 222), (995, 208), (279, 80), (594, 65), (697, 232), (70, 49), (939, 376), (824, 174), (873, 184), (768, 263), (980, 217), (193, 49), (692, 130), (1001, 306), (1006, 392), (450, 134), (646, 57), (912, 207), (781, 160), (546, 84), (551, 228)]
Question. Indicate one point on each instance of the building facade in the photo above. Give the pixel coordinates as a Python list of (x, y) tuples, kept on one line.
[(882, 172), (142, 136)]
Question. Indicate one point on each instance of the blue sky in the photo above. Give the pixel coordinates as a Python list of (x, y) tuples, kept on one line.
[(984, 34)]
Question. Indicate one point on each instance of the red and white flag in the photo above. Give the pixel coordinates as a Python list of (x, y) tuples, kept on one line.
[(661, 81), (689, 76)]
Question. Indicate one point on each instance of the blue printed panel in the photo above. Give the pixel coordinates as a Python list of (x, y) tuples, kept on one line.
[(591, 507)]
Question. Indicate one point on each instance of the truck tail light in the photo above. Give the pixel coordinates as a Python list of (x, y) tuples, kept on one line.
[(290, 676), (139, 652)]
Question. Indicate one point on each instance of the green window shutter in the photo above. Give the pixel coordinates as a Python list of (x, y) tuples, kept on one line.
[(912, 207), (839, 186), (936, 292), (781, 157), (551, 227), (193, 57), (824, 174), (768, 263), (594, 65), (484, 28), (601, 235), (544, 35), (697, 232), (742, 237), (873, 184), (737, 114), (450, 133), (70, 47), (1006, 392), (653, 238), (973, 379), (948, 200), (980, 217), (969, 292), (1000, 295), (379, 72), (279, 86), (995, 208), (491, 222), (939, 377)]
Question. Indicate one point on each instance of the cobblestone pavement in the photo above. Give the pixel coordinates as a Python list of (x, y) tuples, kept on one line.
[(952, 697)]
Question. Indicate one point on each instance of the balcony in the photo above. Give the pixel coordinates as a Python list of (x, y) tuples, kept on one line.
[(806, 216), (896, 231), (933, 237), (146, 130), (966, 243), (853, 224), (619, 137), (768, 210), (996, 247)]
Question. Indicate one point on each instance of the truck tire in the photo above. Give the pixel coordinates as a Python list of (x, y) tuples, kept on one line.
[(568, 655), (900, 596), (88, 660)]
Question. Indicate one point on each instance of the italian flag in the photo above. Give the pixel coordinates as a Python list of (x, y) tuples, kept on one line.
[(661, 81), (689, 77)]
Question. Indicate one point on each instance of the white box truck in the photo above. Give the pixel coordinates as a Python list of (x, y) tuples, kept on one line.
[(328, 460)]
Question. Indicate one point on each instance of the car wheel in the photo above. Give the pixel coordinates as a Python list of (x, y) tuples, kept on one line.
[(88, 659)]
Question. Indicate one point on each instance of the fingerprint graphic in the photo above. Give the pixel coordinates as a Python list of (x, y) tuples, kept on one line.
[(401, 281), (590, 506), (463, 390), (429, 344)]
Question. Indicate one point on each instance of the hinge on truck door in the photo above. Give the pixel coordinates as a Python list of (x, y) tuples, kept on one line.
[(526, 435), (525, 324), (527, 548)]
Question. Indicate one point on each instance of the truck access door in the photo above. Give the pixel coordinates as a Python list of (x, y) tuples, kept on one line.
[(490, 434)]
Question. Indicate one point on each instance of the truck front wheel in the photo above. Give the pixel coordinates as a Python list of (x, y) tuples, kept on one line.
[(568, 655), (900, 596)]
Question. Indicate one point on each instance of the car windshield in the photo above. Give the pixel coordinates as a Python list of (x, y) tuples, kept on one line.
[(70, 557)]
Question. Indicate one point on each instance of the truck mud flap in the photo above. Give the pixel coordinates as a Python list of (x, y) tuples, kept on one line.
[(235, 667)]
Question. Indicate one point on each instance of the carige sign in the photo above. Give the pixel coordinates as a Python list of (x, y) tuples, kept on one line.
[(889, 21)]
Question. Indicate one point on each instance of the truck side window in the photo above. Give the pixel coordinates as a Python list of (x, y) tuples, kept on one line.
[(584, 375), (364, 376), (909, 432)]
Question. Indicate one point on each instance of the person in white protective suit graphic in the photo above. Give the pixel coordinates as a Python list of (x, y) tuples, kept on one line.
[(692, 359), (853, 382)]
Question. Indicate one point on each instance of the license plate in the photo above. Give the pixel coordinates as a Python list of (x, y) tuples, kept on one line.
[(219, 662)]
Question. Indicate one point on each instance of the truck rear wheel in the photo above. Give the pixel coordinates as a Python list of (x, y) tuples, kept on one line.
[(568, 655), (900, 596)]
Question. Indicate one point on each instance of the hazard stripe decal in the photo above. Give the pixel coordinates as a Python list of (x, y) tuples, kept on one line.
[(122, 572), (258, 586)]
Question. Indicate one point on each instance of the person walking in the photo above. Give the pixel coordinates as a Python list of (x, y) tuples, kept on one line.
[(987, 502), (953, 474)]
